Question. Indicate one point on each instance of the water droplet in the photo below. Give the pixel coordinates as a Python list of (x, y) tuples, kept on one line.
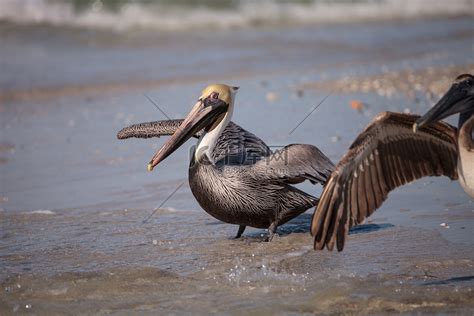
[(335, 138)]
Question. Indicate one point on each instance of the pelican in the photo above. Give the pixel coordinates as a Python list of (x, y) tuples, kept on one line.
[(393, 150), (232, 173)]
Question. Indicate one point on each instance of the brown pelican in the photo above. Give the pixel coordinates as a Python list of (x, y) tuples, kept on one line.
[(232, 173), (388, 154)]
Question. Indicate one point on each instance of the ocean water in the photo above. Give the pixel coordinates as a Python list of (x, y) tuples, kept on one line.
[(123, 15), (76, 236)]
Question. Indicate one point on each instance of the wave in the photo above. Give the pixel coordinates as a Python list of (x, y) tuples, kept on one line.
[(183, 15)]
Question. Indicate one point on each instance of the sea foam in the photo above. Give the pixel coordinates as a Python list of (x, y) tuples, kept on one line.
[(165, 15)]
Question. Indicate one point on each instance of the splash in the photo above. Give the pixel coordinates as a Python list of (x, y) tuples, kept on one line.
[(42, 212)]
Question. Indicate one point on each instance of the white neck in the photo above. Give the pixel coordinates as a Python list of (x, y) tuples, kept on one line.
[(466, 156), (208, 140)]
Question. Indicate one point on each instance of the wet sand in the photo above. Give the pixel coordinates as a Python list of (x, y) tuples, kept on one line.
[(73, 198), (425, 84)]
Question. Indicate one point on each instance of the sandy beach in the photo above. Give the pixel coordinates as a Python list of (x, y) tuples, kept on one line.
[(74, 198)]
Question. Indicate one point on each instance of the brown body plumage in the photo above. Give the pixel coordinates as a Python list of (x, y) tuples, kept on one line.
[(233, 174)]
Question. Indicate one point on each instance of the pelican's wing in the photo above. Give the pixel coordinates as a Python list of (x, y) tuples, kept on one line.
[(387, 154), (151, 129), (295, 163), (237, 146)]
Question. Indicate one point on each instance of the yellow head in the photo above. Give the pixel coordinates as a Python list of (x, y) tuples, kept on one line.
[(219, 91)]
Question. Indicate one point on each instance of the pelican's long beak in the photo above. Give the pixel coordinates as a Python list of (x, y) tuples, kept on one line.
[(456, 100), (203, 114)]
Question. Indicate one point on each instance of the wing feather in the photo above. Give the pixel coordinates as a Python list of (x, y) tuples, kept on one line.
[(238, 146), (295, 163), (151, 129), (387, 154)]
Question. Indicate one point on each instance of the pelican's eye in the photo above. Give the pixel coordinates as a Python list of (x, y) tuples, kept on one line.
[(214, 96)]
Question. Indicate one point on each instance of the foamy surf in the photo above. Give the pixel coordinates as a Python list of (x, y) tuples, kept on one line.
[(163, 15), (42, 212)]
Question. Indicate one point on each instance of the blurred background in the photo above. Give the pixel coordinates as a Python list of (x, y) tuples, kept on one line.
[(224, 14), (73, 198)]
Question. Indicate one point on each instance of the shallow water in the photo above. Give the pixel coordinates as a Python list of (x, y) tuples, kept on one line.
[(74, 198)]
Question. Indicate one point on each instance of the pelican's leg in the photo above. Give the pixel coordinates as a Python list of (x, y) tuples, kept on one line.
[(271, 231), (241, 231)]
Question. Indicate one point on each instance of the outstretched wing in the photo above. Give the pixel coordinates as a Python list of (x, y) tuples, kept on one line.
[(295, 163), (387, 154), (152, 129), (234, 146)]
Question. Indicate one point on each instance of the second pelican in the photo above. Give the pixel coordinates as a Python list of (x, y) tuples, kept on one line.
[(393, 150)]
